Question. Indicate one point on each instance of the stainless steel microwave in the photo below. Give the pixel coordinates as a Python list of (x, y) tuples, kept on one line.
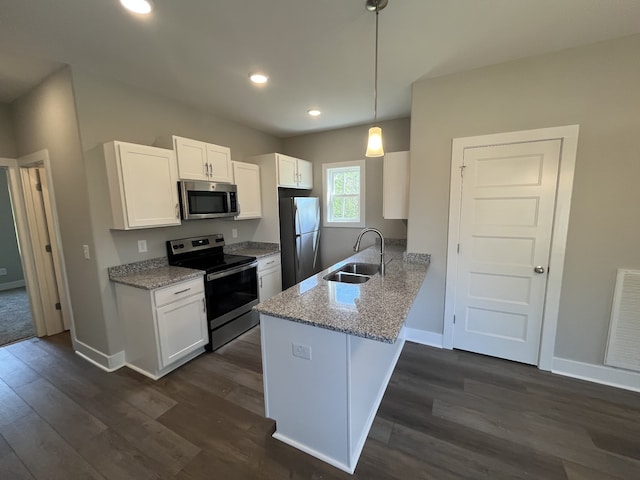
[(208, 200)]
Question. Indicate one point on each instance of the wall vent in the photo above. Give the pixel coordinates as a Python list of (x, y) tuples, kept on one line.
[(623, 347)]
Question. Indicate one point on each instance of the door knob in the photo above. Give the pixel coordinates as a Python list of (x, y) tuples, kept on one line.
[(538, 269)]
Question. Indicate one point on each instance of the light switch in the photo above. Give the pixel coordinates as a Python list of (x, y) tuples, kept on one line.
[(86, 252)]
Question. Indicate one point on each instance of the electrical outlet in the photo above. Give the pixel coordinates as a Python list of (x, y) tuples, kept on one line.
[(302, 351), (234, 233), (142, 246), (86, 252), (3, 271)]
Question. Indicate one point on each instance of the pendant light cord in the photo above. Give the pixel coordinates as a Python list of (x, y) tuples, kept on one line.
[(375, 87)]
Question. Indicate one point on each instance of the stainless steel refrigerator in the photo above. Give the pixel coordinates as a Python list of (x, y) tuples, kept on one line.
[(299, 238)]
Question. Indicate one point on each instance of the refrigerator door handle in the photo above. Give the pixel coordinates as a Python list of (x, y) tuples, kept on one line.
[(316, 249), (296, 217), (298, 254)]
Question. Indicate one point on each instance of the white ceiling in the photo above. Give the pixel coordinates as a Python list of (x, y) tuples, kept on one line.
[(318, 53)]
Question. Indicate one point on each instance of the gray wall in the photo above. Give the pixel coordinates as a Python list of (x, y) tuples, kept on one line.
[(350, 144), (45, 118), (594, 86), (9, 253), (7, 138), (109, 111)]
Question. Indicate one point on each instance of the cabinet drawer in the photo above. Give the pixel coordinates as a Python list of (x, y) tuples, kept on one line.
[(265, 263), (178, 291)]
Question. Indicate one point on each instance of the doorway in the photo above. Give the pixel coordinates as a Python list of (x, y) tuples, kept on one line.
[(16, 321), (38, 238), (509, 211)]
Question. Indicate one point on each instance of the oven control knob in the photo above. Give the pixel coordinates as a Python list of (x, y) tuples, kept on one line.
[(181, 245)]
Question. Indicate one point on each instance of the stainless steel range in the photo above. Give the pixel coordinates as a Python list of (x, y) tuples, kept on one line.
[(231, 284)]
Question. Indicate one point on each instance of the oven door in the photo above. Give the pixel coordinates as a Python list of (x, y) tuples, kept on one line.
[(231, 293)]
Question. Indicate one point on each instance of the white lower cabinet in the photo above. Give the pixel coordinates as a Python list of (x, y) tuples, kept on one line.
[(269, 276), (165, 327)]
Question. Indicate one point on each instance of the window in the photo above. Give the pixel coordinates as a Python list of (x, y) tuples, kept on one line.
[(344, 194)]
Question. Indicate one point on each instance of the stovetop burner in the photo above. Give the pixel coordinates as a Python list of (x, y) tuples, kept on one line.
[(203, 253)]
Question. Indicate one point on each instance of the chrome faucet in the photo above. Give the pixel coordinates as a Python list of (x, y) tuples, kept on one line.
[(356, 247)]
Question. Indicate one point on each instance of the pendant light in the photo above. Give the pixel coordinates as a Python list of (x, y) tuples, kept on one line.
[(374, 145)]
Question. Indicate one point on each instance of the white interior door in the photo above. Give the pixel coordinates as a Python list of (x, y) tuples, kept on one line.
[(506, 219), (43, 250)]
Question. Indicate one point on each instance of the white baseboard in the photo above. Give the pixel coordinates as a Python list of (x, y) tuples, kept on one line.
[(423, 337), (11, 285), (109, 363), (314, 453), (614, 377)]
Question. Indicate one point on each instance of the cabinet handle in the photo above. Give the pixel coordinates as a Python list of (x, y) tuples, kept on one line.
[(260, 282), (182, 291), (210, 169), (204, 306), (177, 211), (269, 263)]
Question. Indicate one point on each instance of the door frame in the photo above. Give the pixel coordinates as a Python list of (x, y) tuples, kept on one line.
[(568, 135), (21, 218)]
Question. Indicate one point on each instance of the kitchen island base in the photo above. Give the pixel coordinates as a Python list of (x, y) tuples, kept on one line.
[(323, 387)]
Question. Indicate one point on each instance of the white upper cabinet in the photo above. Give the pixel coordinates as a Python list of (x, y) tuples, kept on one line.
[(142, 186), (202, 161), (294, 172), (395, 185), (247, 177)]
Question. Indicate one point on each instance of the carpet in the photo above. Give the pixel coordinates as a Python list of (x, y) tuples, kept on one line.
[(15, 316)]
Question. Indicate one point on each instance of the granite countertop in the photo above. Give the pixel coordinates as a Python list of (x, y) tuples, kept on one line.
[(375, 309), (151, 274), (253, 249)]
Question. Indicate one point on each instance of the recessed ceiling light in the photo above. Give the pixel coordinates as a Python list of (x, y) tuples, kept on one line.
[(314, 112), (142, 7), (258, 78)]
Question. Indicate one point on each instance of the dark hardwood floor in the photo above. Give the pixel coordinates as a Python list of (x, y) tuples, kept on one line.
[(445, 415)]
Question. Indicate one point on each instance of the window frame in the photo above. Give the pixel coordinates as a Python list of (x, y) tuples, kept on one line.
[(327, 196)]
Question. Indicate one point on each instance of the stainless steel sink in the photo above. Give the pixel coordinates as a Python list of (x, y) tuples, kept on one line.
[(353, 273), (361, 268), (346, 277)]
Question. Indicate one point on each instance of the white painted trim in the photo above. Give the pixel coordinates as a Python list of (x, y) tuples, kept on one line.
[(11, 285), (108, 363), (611, 376), (41, 157), (569, 137), (314, 453), (142, 372), (423, 337)]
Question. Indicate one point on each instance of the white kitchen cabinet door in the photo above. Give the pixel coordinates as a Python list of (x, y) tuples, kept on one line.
[(182, 328), (247, 177), (142, 186), (287, 171), (192, 159), (219, 160), (270, 283), (269, 276), (294, 172), (395, 185), (202, 161), (305, 174)]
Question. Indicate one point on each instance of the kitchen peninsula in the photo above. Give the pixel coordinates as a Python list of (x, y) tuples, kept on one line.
[(328, 351)]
